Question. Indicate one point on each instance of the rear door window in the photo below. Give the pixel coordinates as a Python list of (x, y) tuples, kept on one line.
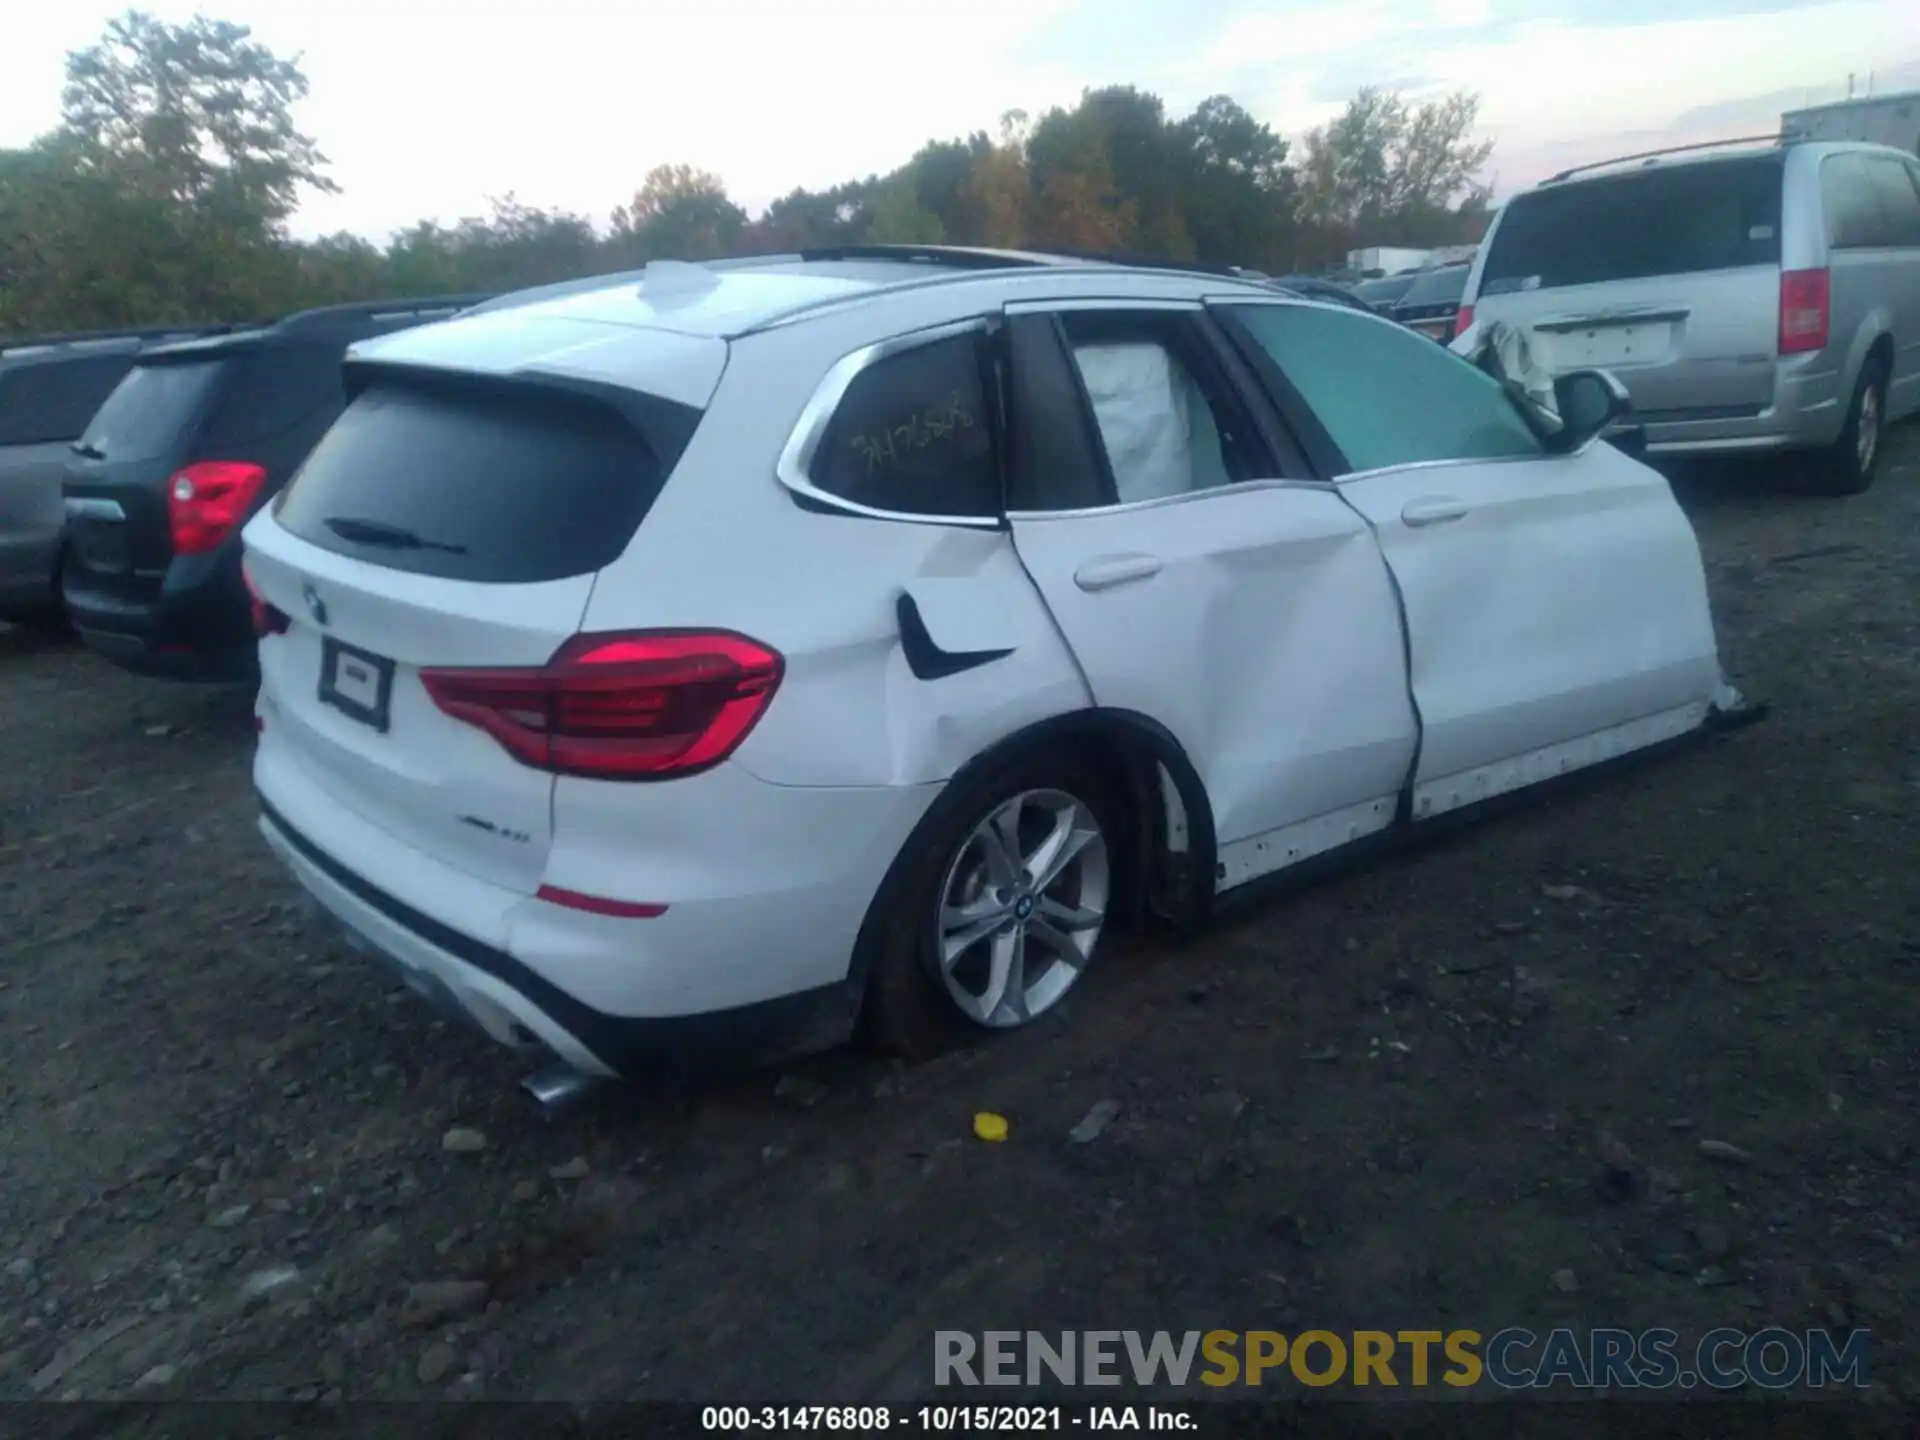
[(504, 485), (1893, 187), (151, 410), (1679, 220), (51, 401), (1854, 218)]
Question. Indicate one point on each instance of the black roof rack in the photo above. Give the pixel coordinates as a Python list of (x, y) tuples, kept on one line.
[(1777, 139), (327, 317), (142, 332)]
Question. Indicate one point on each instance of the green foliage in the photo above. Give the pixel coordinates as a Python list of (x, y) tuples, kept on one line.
[(164, 194)]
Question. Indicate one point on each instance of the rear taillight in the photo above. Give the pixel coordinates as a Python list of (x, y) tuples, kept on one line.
[(268, 618), (1462, 321), (1804, 307), (650, 705), (207, 502)]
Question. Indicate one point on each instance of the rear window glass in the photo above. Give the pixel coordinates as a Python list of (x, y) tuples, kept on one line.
[(150, 410), (497, 485), (1385, 290), (273, 390), (51, 401), (1437, 287), (1675, 221)]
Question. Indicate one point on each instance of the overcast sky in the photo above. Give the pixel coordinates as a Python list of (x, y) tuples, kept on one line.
[(427, 107)]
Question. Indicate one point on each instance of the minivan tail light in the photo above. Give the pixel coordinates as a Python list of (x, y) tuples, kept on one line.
[(1462, 321), (1805, 297), (207, 502), (644, 705)]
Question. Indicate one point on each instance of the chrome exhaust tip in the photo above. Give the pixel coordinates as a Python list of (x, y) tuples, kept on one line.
[(558, 1087)]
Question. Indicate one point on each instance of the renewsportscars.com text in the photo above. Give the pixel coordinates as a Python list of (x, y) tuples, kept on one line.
[(1511, 1359)]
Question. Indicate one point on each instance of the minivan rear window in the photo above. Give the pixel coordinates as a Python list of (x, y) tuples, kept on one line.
[(1677, 220), (508, 484), (150, 410)]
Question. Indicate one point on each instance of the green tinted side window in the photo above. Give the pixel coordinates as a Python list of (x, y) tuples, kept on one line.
[(1386, 395)]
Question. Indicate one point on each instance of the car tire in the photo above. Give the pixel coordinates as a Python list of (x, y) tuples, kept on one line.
[(1847, 467), (921, 977)]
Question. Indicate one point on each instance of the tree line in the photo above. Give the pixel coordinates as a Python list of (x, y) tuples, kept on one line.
[(165, 192)]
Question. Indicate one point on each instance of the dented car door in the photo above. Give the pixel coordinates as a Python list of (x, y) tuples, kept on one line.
[(1203, 581), (1555, 604)]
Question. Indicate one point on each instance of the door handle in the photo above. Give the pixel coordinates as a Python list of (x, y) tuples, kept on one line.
[(1110, 570), (1432, 510)]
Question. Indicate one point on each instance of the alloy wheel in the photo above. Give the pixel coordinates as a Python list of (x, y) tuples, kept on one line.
[(1022, 906)]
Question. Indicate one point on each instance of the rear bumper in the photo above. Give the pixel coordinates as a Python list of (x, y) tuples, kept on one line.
[(1807, 412), (194, 626), (518, 1007)]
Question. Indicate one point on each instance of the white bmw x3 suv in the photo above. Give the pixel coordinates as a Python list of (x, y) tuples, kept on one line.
[(684, 667)]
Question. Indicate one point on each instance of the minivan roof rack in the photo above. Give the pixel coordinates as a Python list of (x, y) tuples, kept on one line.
[(1775, 139)]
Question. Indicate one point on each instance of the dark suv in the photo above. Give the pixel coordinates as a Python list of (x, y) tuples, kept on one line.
[(50, 385), (195, 439)]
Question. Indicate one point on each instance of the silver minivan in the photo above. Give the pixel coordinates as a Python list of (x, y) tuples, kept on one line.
[(1760, 298)]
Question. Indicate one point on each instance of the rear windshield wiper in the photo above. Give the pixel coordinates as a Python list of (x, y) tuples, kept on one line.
[(374, 532), (87, 450)]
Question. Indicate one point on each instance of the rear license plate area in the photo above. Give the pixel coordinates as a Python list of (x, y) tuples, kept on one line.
[(357, 683), (1609, 345)]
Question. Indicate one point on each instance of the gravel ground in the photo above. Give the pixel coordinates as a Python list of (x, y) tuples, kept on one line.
[(1472, 1086)]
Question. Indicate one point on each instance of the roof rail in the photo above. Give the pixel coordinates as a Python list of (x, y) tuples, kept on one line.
[(374, 309), (84, 337), (1130, 261), (1776, 139), (961, 257)]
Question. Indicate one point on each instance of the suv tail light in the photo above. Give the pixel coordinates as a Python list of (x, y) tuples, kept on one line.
[(1462, 321), (268, 618), (207, 502), (1804, 297), (649, 705)]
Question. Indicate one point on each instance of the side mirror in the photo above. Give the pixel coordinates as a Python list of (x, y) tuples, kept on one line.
[(1588, 402)]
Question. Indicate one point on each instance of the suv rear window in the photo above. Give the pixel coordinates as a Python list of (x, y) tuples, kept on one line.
[(44, 402), (498, 484), (1678, 220), (150, 410)]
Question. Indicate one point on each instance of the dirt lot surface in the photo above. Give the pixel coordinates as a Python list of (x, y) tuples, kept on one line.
[(1473, 1086)]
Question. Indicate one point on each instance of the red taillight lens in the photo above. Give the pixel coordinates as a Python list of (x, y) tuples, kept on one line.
[(1462, 321), (1805, 297), (651, 705), (208, 501), (268, 619)]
